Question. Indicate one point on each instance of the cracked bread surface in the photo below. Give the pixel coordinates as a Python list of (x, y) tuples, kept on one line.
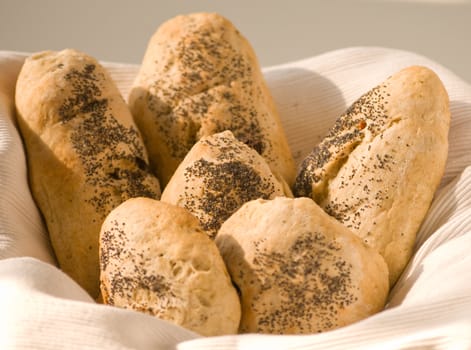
[(155, 258), (377, 169)]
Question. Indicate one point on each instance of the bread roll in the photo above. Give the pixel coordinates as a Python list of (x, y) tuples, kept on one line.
[(85, 155), (217, 176), (200, 76), (155, 258), (298, 270), (378, 168)]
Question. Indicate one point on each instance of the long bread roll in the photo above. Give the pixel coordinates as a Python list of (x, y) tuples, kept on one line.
[(378, 168), (200, 76), (85, 155)]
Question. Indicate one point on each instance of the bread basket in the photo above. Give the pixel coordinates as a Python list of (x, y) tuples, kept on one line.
[(429, 307)]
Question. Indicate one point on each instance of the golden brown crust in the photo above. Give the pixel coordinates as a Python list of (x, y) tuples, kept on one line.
[(217, 176), (378, 168), (155, 258), (85, 155), (298, 270), (200, 76)]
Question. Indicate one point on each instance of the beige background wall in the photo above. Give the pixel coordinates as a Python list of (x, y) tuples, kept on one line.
[(280, 31)]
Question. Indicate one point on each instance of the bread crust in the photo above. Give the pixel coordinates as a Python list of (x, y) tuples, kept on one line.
[(155, 258), (378, 168), (217, 176), (85, 154), (200, 76), (298, 270)]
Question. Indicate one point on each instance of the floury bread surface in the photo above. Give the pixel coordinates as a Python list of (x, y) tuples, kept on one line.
[(200, 76), (378, 168), (298, 270), (85, 154), (217, 176), (155, 258)]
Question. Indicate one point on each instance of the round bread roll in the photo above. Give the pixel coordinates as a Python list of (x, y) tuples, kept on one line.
[(217, 176), (378, 168), (298, 270), (85, 154), (200, 76), (155, 258)]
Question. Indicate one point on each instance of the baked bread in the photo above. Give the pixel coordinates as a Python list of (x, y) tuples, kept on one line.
[(200, 76), (85, 154), (155, 258), (378, 168), (217, 176), (298, 270)]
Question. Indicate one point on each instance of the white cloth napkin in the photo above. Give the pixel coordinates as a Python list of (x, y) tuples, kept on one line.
[(430, 306)]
